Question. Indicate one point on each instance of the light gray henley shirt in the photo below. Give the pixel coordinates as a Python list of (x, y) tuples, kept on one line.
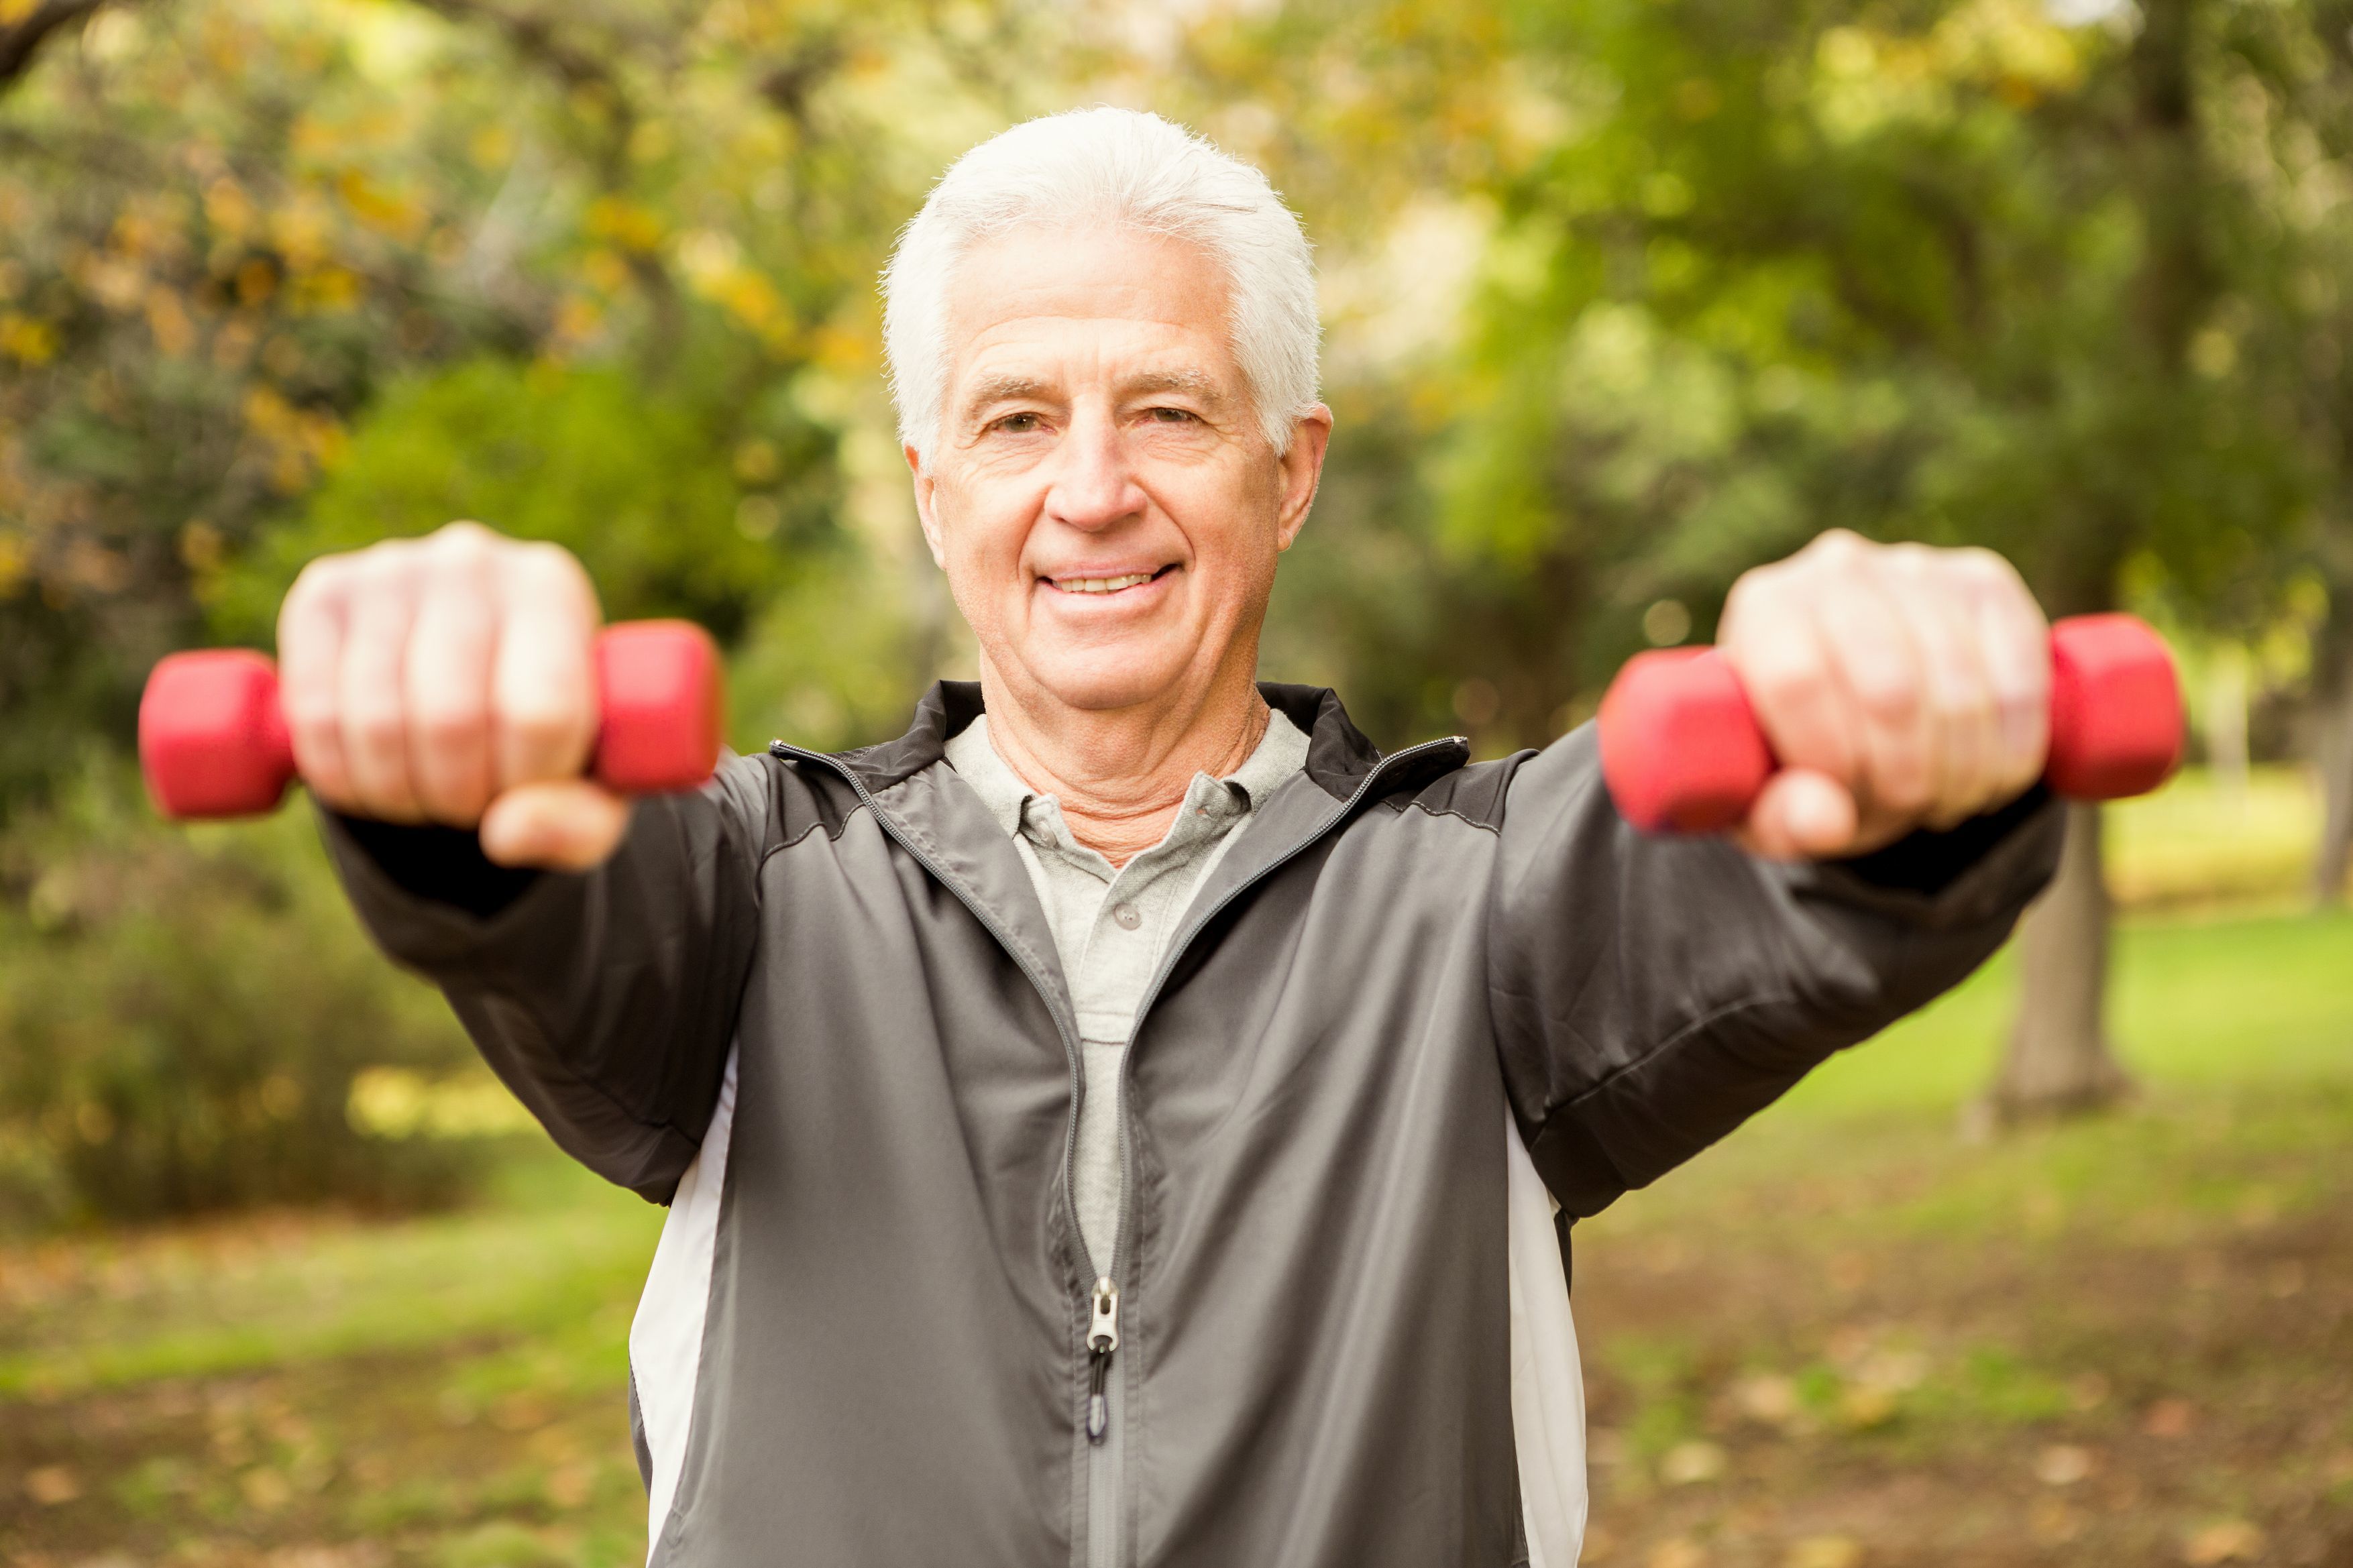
[(1112, 924)]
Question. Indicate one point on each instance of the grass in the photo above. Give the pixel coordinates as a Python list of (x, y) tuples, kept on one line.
[(1846, 1338)]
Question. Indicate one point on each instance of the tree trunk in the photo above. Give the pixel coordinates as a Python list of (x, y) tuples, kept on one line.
[(2059, 1062), (2333, 754), (2226, 724)]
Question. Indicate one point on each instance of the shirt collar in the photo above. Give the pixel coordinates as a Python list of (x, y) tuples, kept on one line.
[(1279, 752)]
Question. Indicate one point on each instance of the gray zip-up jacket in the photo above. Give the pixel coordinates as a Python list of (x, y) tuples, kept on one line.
[(893, 1362)]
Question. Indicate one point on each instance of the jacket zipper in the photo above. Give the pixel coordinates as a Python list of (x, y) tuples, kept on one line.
[(1104, 1456), (1175, 951)]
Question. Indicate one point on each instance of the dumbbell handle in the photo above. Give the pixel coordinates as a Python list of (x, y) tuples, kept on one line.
[(1682, 751), (213, 740)]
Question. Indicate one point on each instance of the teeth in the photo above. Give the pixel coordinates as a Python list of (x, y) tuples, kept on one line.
[(1100, 584)]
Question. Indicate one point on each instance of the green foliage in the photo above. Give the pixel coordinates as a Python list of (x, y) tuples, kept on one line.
[(182, 1017), (643, 487)]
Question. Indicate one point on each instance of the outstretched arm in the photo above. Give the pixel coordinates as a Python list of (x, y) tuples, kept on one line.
[(1651, 994), (441, 698)]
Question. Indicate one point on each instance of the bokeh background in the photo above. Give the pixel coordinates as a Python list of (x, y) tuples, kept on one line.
[(1624, 295)]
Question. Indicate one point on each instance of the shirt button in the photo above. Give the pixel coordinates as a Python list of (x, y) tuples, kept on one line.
[(1127, 916)]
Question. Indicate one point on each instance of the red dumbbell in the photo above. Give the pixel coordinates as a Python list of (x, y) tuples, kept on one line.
[(212, 740), (1681, 752)]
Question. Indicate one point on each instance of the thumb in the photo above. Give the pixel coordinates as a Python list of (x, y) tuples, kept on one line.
[(571, 825), (1800, 814)]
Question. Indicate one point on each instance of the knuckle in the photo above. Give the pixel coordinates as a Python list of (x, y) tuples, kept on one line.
[(376, 729), (541, 726), (446, 726), (1888, 698), (1902, 783)]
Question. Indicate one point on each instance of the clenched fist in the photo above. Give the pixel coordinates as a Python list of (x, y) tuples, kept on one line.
[(1901, 686), (451, 679)]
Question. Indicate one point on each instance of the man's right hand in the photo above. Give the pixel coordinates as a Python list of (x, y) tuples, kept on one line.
[(451, 679)]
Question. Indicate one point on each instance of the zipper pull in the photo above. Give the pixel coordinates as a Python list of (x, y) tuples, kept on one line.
[(1102, 1339)]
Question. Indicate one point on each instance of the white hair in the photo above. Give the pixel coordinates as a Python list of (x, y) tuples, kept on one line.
[(1113, 167)]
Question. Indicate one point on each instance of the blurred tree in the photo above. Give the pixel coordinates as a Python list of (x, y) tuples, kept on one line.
[(1989, 272)]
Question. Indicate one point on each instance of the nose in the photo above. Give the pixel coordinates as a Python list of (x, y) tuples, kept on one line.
[(1093, 484)]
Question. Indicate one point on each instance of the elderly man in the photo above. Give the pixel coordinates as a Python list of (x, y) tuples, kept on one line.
[(1123, 1120)]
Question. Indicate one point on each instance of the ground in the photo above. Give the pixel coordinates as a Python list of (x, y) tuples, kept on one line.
[(1847, 1338)]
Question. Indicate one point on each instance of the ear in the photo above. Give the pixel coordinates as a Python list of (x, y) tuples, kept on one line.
[(1303, 470), (925, 484)]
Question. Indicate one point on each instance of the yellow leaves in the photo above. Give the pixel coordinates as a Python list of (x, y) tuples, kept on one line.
[(715, 269), (28, 340), (1865, 78), (577, 319), (168, 322), (294, 443), (629, 225), (15, 563), (203, 549), (227, 208), (490, 147), (326, 289), (375, 206), (256, 281), (395, 1102), (300, 231)]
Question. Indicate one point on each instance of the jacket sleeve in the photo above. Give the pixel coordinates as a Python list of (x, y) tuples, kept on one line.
[(1650, 994), (605, 1001)]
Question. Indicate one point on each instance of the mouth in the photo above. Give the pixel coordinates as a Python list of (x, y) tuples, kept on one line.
[(1106, 585)]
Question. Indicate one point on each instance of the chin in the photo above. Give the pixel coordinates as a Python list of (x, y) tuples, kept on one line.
[(1104, 679)]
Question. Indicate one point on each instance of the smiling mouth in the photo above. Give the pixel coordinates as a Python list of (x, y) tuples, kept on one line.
[(1109, 584)]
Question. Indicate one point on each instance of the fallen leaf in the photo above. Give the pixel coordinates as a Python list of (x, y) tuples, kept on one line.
[(1687, 1463), (1867, 1404), (51, 1484), (265, 1489), (2225, 1541), (1767, 1397), (2053, 1522), (1825, 1551), (2062, 1465), (1677, 1552), (2087, 1390)]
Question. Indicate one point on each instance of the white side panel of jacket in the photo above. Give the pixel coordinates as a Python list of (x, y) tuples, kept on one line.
[(666, 1336), (1547, 1385)]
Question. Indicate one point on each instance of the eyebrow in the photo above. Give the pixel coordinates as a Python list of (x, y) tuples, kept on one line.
[(1015, 388)]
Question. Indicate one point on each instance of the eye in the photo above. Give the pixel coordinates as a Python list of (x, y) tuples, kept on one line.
[(1017, 423), (1170, 415)]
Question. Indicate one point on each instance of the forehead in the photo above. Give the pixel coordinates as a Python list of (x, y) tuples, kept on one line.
[(1055, 303)]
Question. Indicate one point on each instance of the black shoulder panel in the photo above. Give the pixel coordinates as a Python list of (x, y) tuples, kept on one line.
[(806, 799), (1475, 793)]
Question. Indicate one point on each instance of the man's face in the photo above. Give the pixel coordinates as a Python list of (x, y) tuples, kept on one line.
[(1101, 494)]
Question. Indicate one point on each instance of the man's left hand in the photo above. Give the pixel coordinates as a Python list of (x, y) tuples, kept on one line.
[(1901, 686)]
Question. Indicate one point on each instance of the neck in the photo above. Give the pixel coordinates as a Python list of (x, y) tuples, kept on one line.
[(1120, 775)]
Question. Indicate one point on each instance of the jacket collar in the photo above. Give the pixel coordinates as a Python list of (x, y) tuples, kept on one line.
[(1338, 756)]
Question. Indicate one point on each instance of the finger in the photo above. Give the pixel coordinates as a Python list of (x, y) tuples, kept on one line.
[(2015, 639), (1783, 663), (372, 688), (452, 649), (310, 675), (570, 824), (1800, 814), (1877, 666), (1936, 604), (544, 686)]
